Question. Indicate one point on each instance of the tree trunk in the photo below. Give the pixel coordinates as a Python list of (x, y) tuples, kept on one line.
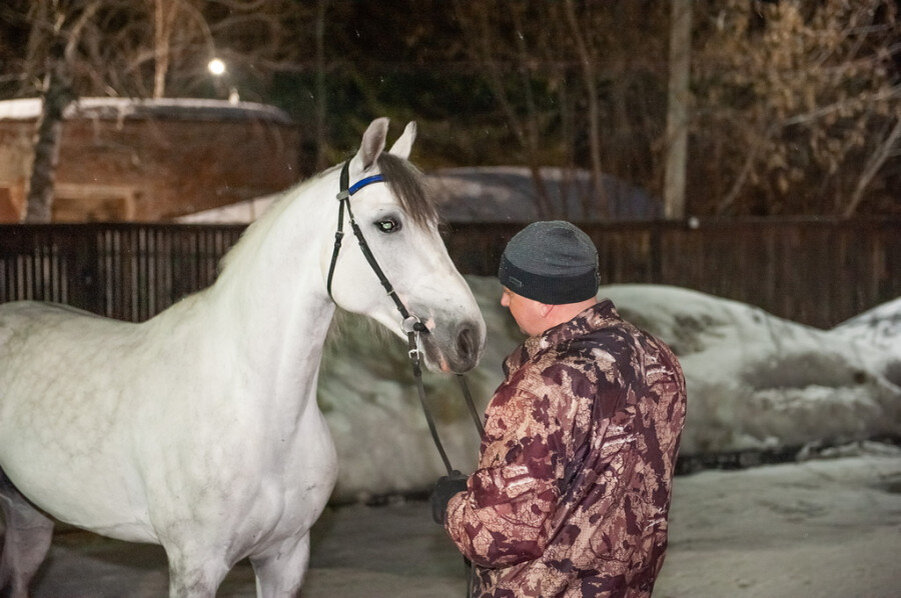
[(479, 36), (57, 95), (677, 110), (163, 22)]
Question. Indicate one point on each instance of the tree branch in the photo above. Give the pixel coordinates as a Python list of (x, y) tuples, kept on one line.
[(877, 159)]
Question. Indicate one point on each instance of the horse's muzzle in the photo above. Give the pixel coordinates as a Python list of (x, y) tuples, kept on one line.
[(456, 349)]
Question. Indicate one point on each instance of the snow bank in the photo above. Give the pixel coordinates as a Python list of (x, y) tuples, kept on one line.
[(880, 328), (755, 381)]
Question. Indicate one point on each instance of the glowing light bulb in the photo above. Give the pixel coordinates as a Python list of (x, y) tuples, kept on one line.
[(216, 67)]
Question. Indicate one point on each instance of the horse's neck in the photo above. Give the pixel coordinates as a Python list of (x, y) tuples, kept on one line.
[(268, 311)]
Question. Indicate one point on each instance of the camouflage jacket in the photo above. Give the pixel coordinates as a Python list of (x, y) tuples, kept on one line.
[(572, 491)]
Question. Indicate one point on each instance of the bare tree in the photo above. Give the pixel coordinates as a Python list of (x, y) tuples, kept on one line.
[(797, 98), (887, 149), (496, 54), (588, 60), (321, 95), (164, 16), (56, 97), (598, 58), (794, 106)]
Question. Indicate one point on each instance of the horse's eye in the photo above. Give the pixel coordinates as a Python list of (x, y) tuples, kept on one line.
[(388, 225)]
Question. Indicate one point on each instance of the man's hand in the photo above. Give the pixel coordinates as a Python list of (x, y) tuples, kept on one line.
[(445, 488)]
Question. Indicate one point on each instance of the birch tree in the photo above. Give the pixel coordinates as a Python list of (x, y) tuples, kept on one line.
[(57, 28)]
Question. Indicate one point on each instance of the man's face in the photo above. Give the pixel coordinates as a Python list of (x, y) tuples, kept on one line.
[(528, 313)]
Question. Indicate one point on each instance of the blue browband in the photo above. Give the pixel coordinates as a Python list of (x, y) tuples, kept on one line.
[(376, 178)]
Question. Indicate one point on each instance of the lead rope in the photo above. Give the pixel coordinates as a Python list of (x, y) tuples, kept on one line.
[(470, 404), (415, 361)]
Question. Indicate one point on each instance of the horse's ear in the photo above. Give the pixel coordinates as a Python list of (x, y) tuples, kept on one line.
[(372, 145), (404, 143)]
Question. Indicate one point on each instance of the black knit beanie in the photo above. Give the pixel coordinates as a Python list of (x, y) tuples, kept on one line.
[(551, 262)]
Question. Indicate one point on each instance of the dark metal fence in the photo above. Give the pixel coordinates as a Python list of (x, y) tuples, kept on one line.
[(819, 272), (125, 271)]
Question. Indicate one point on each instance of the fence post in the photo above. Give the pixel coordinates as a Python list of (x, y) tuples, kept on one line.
[(82, 258), (656, 250)]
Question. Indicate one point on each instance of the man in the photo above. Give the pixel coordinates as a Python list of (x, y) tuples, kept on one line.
[(572, 490)]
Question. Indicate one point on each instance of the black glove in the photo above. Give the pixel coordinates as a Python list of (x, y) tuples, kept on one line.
[(445, 488)]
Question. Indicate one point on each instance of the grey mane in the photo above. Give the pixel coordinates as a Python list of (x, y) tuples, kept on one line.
[(407, 183)]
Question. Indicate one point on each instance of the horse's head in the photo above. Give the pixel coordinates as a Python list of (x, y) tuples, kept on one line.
[(399, 223)]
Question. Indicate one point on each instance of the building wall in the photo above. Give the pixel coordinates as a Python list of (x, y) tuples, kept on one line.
[(152, 167), (16, 154)]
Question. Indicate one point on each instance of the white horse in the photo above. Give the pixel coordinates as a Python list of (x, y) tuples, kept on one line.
[(199, 430)]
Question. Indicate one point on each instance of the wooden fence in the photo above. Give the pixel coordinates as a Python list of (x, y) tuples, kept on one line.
[(819, 272)]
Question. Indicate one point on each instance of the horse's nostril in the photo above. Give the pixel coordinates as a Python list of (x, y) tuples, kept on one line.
[(466, 345)]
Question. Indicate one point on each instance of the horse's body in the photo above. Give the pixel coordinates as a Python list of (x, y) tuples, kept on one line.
[(199, 429)]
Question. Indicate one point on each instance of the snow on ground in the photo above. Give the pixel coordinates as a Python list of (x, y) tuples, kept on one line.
[(829, 528), (755, 382)]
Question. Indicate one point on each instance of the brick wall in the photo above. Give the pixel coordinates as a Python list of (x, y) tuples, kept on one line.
[(153, 165)]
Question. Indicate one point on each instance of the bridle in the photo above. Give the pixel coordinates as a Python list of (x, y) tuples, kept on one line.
[(411, 324)]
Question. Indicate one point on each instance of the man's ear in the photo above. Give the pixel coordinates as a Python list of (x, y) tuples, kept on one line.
[(545, 309)]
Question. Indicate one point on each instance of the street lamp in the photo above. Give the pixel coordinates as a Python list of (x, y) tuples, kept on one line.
[(216, 67)]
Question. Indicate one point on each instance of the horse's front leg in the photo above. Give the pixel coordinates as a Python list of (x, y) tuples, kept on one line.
[(280, 571)]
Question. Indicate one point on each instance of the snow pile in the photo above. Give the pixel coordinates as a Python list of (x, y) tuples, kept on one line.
[(755, 381), (879, 327), (368, 395)]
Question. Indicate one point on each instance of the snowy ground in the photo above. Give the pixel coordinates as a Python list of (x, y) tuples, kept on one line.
[(827, 528)]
